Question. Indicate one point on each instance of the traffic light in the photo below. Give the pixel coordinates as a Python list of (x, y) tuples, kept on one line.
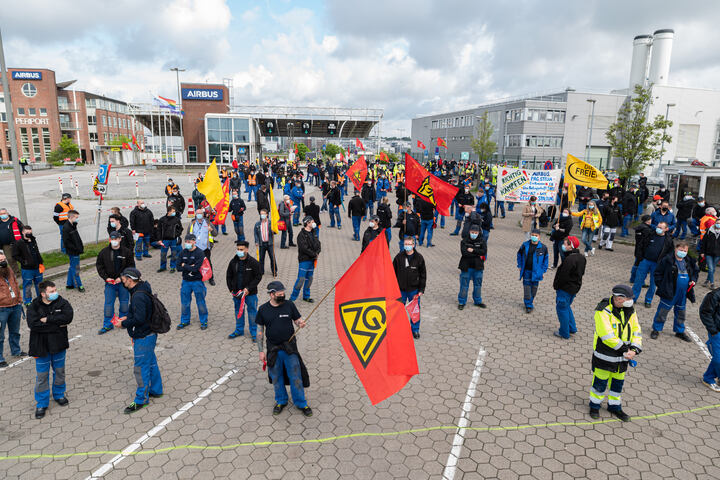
[(306, 128), (332, 127), (270, 127)]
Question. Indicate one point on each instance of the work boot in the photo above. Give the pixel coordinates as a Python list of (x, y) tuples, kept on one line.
[(133, 407), (416, 335), (683, 336), (277, 410), (594, 413), (621, 415), (654, 334), (161, 269), (481, 305), (460, 307), (62, 401), (40, 412), (307, 411)]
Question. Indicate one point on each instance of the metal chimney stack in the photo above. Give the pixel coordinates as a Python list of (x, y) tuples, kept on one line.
[(660, 59), (640, 57)]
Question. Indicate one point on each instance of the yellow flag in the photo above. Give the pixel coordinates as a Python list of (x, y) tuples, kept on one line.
[(580, 173), (274, 214), (211, 186)]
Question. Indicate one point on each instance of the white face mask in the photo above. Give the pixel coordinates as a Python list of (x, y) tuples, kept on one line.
[(628, 303), (114, 243), (371, 224), (263, 216), (142, 205), (313, 225)]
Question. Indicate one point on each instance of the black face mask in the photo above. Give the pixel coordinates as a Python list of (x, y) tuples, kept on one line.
[(280, 299), (3, 264)]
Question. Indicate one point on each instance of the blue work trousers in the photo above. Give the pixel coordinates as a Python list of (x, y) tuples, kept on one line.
[(626, 223), (306, 270), (250, 311), (251, 190), (530, 288), (142, 246), (62, 244), (335, 214), (563, 307), (476, 276), (147, 373), (426, 227), (646, 267), (290, 365), (42, 378), (711, 263), (73, 274), (407, 297), (677, 304), (174, 247), (186, 291), (10, 316), (30, 278), (681, 229), (356, 227), (713, 371), (111, 293)]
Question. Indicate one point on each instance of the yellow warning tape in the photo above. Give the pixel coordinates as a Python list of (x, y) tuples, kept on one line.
[(349, 436)]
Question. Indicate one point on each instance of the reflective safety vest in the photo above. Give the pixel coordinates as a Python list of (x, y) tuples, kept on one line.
[(615, 335), (251, 180), (210, 237), (62, 216)]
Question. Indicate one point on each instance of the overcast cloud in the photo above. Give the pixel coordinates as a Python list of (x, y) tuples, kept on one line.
[(409, 57)]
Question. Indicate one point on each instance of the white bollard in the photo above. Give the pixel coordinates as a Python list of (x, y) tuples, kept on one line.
[(137, 190), (117, 177), (61, 187), (145, 175), (189, 179), (77, 189)]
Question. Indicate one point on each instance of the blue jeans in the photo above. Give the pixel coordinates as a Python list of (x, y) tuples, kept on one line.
[(693, 224), (442, 219), (645, 267), (73, 275), (370, 210), (10, 316), (239, 228), (306, 270), (563, 303), (356, 227), (711, 263), (289, 364), (511, 206), (62, 244), (147, 373), (713, 370), (334, 214), (677, 303), (406, 297), (250, 311), (681, 225), (30, 277), (587, 236), (633, 270), (111, 293), (296, 214), (42, 379), (251, 190), (186, 290), (142, 246), (174, 248), (626, 223), (426, 227), (324, 205), (529, 289), (388, 234), (500, 205), (476, 276), (287, 233)]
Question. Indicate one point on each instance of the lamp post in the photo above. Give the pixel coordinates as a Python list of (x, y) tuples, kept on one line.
[(177, 71), (592, 119)]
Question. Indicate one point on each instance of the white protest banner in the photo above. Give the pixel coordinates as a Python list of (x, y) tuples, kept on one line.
[(518, 185)]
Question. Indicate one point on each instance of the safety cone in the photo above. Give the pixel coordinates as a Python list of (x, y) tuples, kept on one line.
[(191, 208)]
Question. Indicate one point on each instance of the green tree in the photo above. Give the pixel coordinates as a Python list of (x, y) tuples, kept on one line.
[(331, 150), (119, 140), (481, 143), (393, 157), (302, 150), (66, 149), (633, 138)]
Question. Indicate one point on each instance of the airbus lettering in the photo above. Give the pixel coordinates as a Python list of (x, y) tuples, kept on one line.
[(26, 75), (202, 94)]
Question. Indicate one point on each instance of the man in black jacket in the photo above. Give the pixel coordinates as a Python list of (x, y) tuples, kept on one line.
[(371, 233), (611, 219), (368, 195), (137, 323), (312, 210), (115, 212), (308, 250), (243, 277), (384, 213), (116, 224), (170, 231), (409, 224), (567, 283), (710, 317), (74, 248), (27, 253), (684, 212), (356, 210), (411, 275), (237, 210), (654, 248), (675, 277), (48, 317), (111, 262), (426, 210), (263, 197), (629, 209), (176, 201), (472, 264), (462, 198), (642, 233), (141, 224), (334, 198)]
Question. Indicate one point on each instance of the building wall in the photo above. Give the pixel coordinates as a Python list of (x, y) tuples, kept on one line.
[(194, 119)]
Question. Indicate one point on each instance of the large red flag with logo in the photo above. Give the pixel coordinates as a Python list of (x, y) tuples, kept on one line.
[(358, 172), (223, 206), (373, 325), (428, 187), (359, 144)]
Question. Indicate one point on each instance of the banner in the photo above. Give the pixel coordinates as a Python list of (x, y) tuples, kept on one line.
[(518, 185), (582, 173)]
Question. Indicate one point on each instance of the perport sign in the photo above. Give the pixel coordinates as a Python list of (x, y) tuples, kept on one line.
[(202, 94), (26, 75)]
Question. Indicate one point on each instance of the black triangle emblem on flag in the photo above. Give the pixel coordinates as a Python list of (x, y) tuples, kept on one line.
[(427, 191)]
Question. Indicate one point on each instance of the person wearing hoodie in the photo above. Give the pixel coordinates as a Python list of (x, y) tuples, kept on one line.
[(710, 248), (411, 275), (462, 198), (371, 232), (473, 251), (532, 261), (384, 213), (591, 220), (309, 247), (297, 195), (561, 230), (567, 284), (356, 211), (685, 209), (675, 277), (110, 263), (141, 224), (369, 196), (612, 218), (27, 253), (237, 210), (170, 231)]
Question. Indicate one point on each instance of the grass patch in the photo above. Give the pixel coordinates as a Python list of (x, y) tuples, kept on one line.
[(55, 258)]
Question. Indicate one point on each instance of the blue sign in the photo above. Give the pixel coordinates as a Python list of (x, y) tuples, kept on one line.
[(102, 175), (26, 75), (202, 94), (324, 147), (241, 150), (548, 165)]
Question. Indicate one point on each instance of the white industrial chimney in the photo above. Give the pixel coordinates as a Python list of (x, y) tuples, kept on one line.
[(660, 58), (640, 56)]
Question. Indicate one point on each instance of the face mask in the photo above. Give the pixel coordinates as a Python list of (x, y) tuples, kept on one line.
[(659, 231), (371, 224), (76, 221), (188, 246), (628, 303), (313, 225), (171, 214), (565, 214), (142, 205), (53, 296), (717, 226), (408, 248), (199, 216), (263, 216), (702, 204), (240, 254), (235, 196), (664, 209), (113, 224), (681, 254), (467, 190), (532, 203), (591, 207), (473, 236), (564, 248), (4, 217), (534, 238), (280, 298), (3, 263), (114, 243)]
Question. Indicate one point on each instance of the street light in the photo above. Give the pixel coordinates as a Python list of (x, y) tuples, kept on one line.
[(592, 119), (182, 138)]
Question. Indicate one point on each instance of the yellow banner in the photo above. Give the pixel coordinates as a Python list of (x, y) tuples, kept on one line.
[(581, 173)]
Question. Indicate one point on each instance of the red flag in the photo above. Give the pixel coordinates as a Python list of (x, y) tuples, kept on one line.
[(358, 172), (296, 149), (223, 206), (126, 146), (441, 143), (135, 142), (384, 157), (421, 145), (359, 144), (428, 187), (372, 323)]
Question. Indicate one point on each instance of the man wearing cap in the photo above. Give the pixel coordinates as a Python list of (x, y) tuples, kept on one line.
[(532, 261), (313, 210), (60, 215), (264, 242), (243, 277), (617, 340), (170, 231), (356, 210), (473, 250), (137, 323), (111, 262), (567, 283), (411, 275), (308, 250), (285, 366), (191, 259), (371, 232)]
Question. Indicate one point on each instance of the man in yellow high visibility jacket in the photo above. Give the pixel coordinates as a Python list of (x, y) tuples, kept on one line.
[(617, 340)]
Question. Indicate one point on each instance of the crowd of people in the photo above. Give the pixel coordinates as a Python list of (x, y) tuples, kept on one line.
[(661, 252)]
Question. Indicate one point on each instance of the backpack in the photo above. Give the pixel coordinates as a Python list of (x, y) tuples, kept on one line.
[(159, 318)]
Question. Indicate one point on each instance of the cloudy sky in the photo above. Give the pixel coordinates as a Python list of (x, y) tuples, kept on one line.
[(409, 57)]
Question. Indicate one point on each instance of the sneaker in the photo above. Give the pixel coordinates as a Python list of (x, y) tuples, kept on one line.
[(554, 267), (461, 307), (528, 309), (592, 252), (307, 411), (416, 335), (212, 282), (69, 287), (224, 233), (236, 334), (21, 354), (609, 250), (600, 247), (138, 259), (161, 269), (254, 339), (62, 401), (133, 407), (278, 408), (172, 270), (40, 412), (621, 415), (104, 330), (557, 334), (453, 234), (712, 386), (654, 334), (309, 300), (586, 254), (594, 413), (683, 336), (203, 327), (648, 305), (712, 286), (147, 256), (481, 305), (181, 326), (81, 289), (3, 364)]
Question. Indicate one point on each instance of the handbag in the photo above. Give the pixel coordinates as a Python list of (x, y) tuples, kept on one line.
[(281, 225), (206, 270)]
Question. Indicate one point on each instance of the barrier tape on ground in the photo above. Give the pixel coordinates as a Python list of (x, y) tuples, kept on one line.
[(270, 443)]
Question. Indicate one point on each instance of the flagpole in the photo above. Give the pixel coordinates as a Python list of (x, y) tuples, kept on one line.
[(313, 310)]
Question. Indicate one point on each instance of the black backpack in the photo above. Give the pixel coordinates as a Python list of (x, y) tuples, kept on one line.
[(159, 318)]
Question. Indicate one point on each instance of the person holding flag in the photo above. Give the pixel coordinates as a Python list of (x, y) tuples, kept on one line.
[(243, 276), (411, 276), (428, 187)]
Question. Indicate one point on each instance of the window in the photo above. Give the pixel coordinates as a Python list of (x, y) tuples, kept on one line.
[(192, 153), (512, 140), (29, 90), (93, 137), (89, 103), (36, 143), (104, 121), (32, 112), (92, 120), (46, 141), (105, 140), (43, 112), (3, 117), (539, 141), (2, 97), (25, 141), (7, 136), (21, 111), (114, 119)]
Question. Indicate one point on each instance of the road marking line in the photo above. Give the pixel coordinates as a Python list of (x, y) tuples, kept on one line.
[(133, 447), (464, 421), (699, 342), (25, 359)]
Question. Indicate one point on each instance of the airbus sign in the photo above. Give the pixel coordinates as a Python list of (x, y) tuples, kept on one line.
[(202, 94), (26, 75)]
